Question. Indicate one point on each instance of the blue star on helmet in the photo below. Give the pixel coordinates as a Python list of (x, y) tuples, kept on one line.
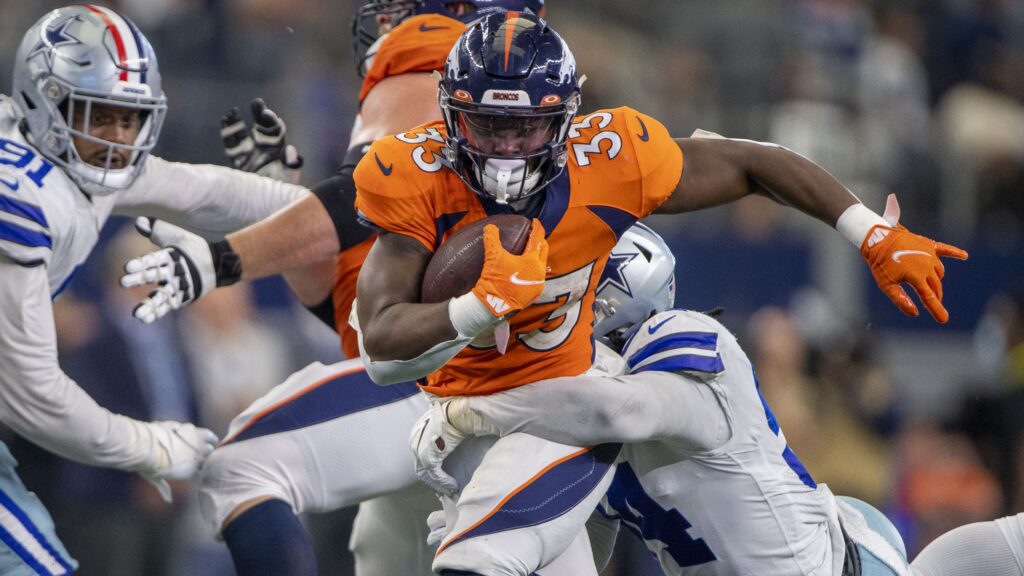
[(613, 272), (54, 35)]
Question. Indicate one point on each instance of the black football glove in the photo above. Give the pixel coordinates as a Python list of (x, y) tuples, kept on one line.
[(262, 148)]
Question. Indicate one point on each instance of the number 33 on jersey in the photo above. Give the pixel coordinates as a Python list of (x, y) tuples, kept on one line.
[(621, 166)]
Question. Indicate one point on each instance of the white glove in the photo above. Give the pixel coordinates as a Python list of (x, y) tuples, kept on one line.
[(432, 439), (437, 526), (183, 270), (260, 149), (179, 450)]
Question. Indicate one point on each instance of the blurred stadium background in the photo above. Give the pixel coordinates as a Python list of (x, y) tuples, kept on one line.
[(924, 98)]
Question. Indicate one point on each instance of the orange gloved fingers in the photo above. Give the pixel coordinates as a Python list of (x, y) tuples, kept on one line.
[(931, 300), (904, 257), (899, 297), (950, 251), (935, 285), (508, 281)]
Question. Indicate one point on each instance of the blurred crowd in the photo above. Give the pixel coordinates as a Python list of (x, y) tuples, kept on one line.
[(922, 98)]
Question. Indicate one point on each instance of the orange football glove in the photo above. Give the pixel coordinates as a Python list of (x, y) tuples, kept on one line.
[(897, 255), (509, 282)]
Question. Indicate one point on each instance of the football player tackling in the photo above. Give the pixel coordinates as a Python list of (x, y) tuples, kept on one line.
[(706, 478), (511, 142), (86, 109)]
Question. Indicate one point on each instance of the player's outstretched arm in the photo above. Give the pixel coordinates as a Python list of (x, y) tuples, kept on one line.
[(40, 402), (719, 170), (588, 410)]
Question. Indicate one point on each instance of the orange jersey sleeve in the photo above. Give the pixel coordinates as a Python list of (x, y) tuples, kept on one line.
[(400, 183), (621, 149), (418, 44), (344, 293)]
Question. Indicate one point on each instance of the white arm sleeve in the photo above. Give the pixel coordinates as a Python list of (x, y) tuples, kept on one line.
[(387, 372), (980, 549), (39, 401), (206, 199), (586, 410)]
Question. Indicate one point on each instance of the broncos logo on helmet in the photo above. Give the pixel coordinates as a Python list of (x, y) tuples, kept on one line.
[(377, 17), (508, 95)]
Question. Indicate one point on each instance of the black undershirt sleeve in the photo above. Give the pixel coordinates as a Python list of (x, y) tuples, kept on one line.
[(338, 195)]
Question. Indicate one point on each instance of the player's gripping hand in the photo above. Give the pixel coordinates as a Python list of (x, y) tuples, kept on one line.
[(437, 525), (509, 282), (182, 271), (262, 148), (898, 256), (178, 450), (432, 439)]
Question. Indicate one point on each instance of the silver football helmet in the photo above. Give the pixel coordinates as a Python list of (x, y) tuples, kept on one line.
[(73, 59), (638, 282)]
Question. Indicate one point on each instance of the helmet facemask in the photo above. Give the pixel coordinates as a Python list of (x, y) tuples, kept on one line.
[(369, 25), (99, 171), (507, 153)]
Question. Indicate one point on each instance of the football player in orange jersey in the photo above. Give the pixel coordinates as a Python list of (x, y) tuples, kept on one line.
[(328, 437), (510, 142)]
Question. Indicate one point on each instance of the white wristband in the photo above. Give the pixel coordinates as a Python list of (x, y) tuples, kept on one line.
[(470, 316), (855, 223)]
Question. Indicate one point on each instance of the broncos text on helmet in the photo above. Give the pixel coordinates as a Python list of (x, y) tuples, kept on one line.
[(377, 17), (508, 95), (69, 63)]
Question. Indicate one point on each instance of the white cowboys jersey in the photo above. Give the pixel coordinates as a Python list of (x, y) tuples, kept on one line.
[(44, 218), (747, 506)]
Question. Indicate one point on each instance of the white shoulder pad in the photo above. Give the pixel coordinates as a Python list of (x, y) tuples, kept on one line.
[(675, 341), (25, 235)]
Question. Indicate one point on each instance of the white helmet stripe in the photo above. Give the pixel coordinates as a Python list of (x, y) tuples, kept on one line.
[(129, 52)]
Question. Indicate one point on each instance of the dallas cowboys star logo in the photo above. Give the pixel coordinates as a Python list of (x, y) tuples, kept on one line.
[(613, 272), (54, 35)]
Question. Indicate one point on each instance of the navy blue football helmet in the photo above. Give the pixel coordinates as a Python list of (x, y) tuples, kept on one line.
[(508, 96), (376, 17)]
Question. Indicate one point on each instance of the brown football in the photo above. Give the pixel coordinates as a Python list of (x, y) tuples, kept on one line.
[(456, 266)]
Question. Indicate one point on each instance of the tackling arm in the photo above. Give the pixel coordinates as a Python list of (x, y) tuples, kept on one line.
[(40, 402), (209, 200), (588, 410)]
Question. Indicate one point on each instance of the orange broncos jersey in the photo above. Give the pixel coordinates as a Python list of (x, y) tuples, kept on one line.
[(419, 44), (346, 273), (622, 165)]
